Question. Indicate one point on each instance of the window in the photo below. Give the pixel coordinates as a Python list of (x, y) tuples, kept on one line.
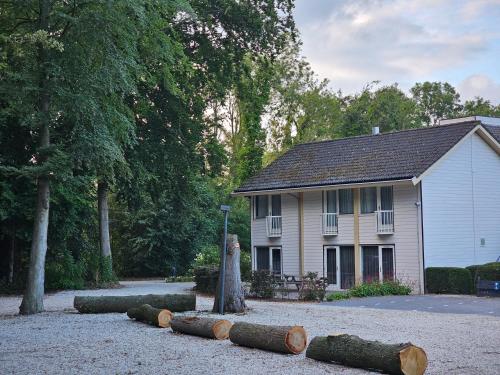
[(386, 198), (276, 205), (268, 259), (368, 200), (345, 201), (261, 206), (331, 202), (378, 263)]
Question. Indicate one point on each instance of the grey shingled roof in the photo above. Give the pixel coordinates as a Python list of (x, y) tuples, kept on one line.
[(384, 157), (494, 130)]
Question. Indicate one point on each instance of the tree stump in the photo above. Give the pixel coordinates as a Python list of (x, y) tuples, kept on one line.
[(281, 339), (401, 359), (151, 315), (234, 295), (204, 327), (121, 304)]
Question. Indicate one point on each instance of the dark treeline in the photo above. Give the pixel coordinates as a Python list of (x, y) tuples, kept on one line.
[(124, 125)]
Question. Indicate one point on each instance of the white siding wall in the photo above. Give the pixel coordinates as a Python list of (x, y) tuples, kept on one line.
[(461, 205)]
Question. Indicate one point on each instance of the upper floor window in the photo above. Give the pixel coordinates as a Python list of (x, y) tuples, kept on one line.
[(267, 205), (346, 205), (368, 200), (331, 202), (261, 206), (373, 199)]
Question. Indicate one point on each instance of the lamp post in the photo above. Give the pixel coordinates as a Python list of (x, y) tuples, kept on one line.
[(226, 210)]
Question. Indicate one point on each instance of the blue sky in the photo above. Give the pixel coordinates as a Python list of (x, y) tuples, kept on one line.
[(355, 42)]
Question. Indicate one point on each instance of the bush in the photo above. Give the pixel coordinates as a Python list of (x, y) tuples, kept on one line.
[(262, 284), (206, 278), (489, 271), (245, 265), (452, 280), (179, 279), (313, 288), (64, 273), (208, 256), (386, 288), (337, 296)]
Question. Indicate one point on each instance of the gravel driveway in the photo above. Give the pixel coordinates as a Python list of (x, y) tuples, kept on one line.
[(62, 341)]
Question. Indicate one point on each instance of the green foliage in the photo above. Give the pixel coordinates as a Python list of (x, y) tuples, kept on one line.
[(179, 279), (209, 255), (313, 288), (386, 288), (245, 265), (451, 280), (489, 271), (64, 273), (262, 284), (435, 100), (205, 278)]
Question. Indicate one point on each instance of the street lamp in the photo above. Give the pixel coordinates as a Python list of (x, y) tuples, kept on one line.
[(226, 210)]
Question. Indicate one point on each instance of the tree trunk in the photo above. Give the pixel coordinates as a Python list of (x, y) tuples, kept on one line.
[(102, 206), (151, 315), (204, 327), (401, 359), (33, 296), (121, 304), (234, 295), (11, 258), (281, 339)]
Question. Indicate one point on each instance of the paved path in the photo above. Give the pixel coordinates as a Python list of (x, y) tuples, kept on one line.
[(450, 304)]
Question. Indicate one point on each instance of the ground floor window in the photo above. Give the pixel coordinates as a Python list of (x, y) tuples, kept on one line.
[(268, 259), (377, 263), (339, 266)]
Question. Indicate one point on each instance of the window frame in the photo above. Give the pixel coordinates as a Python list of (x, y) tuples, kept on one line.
[(352, 202), (379, 199), (269, 209), (270, 250)]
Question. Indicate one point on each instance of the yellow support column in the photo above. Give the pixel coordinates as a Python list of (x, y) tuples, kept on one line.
[(358, 277)]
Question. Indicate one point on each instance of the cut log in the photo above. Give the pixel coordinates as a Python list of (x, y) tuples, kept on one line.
[(234, 295), (204, 327), (281, 339), (352, 351), (151, 315), (121, 304)]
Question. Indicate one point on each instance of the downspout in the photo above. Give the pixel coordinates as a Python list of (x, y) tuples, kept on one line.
[(301, 234), (358, 277)]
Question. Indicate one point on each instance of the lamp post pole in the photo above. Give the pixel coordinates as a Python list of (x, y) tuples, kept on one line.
[(224, 209)]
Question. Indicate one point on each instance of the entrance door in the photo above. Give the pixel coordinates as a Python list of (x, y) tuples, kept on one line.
[(378, 263), (332, 267), (276, 260), (346, 267)]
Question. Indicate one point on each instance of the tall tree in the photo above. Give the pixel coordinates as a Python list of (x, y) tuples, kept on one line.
[(435, 100)]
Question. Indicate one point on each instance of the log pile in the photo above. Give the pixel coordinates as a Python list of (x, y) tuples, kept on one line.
[(151, 315), (353, 351), (205, 327), (281, 339), (121, 304)]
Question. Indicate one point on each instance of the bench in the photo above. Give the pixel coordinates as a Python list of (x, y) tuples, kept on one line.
[(488, 288)]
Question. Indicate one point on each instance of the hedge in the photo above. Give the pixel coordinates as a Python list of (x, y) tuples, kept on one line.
[(206, 278), (451, 280)]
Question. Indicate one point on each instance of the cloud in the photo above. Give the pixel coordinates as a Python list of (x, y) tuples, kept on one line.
[(352, 43), (480, 85)]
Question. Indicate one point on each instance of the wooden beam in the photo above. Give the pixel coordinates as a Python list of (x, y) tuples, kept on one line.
[(301, 234)]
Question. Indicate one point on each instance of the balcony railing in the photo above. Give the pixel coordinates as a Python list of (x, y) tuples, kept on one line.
[(273, 226), (385, 222), (330, 224)]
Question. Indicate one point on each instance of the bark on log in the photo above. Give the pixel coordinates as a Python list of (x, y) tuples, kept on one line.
[(234, 295), (204, 327), (281, 339), (151, 315), (121, 304), (401, 359)]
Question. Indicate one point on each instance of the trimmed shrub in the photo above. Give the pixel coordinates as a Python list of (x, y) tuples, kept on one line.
[(451, 280), (473, 272), (206, 278), (337, 296), (386, 288), (489, 271), (262, 284), (313, 288)]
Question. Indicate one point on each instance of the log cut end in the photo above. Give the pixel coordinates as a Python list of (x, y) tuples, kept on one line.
[(164, 318), (221, 329), (413, 360), (296, 339)]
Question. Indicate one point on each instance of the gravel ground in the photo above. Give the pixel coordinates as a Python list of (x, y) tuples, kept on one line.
[(62, 341)]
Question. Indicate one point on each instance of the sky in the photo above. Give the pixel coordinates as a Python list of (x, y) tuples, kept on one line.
[(353, 43)]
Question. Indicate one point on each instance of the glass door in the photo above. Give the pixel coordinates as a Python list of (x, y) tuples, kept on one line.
[(346, 267), (276, 260), (387, 263), (371, 267), (331, 259), (262, 263)]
